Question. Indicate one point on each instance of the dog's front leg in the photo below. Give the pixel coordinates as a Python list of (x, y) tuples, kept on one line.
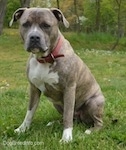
[(69, 102), (33, 103)]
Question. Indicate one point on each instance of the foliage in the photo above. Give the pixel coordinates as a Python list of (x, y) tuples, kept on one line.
[(107, 16), (11, 7), (108, 20)]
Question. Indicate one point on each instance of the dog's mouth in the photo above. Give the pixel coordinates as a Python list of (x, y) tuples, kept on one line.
[(39, 52), (37, 49)]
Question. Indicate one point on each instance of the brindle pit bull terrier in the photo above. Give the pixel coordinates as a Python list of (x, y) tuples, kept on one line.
[(56, 71)]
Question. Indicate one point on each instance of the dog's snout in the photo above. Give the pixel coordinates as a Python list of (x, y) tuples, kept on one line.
[(35, 38), (36, 41)]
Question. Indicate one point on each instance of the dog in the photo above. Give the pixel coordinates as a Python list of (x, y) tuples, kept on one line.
[(55, 70)]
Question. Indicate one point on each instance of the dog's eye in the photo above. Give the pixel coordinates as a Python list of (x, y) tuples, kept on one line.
[(26, 24), (45, 26)]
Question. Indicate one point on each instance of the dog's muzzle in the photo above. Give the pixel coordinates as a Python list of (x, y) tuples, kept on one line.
[(36, 44)]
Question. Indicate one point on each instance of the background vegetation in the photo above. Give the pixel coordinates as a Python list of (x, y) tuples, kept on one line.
[(84, 15), (88, 16)]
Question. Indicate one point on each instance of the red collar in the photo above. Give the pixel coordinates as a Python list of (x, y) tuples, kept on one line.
[(54, 54)]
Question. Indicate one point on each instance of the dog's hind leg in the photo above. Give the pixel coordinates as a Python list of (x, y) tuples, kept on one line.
[(91, 113), (33, 103)]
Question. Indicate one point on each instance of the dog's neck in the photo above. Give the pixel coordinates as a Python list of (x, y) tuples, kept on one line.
[(51, 57)]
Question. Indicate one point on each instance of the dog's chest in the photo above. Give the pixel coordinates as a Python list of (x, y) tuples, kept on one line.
[(41, 74)]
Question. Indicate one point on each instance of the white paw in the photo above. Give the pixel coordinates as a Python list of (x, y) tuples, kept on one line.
[(88, 131), (22, 128), (67, 135)]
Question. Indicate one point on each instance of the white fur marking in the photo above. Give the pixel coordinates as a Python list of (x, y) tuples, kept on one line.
[(88, 131), (39, 75), (35, 29), (67, 135), (27, 121)]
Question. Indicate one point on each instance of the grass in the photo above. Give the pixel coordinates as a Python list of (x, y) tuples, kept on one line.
[(102, 41), (109, 70)]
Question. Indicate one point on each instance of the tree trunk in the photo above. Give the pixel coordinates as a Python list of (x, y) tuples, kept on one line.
[(25, 3), (98, 7), (58, 6), (76, 13), (3, 4), (119, 31)]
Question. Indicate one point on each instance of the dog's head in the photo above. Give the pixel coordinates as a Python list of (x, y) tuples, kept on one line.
[(39, 27)]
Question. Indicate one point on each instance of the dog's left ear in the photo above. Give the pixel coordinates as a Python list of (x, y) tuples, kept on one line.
[(17, 15), (60, 17)]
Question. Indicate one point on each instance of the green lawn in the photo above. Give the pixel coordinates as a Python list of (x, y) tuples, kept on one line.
[(108, 67)]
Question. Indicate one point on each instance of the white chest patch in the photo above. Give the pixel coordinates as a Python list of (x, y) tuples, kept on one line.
[(39, 74)]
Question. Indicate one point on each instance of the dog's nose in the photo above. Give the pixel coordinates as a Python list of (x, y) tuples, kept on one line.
[(35, 38)]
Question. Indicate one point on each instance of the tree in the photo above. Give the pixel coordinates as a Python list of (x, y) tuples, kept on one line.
[(3, 4), (58, 6), (107, 17), (77, 16), (90, 14), (119, 22), (98, 7), (25, 3)]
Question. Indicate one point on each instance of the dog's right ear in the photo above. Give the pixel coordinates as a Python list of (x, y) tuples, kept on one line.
[(17, 15)]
